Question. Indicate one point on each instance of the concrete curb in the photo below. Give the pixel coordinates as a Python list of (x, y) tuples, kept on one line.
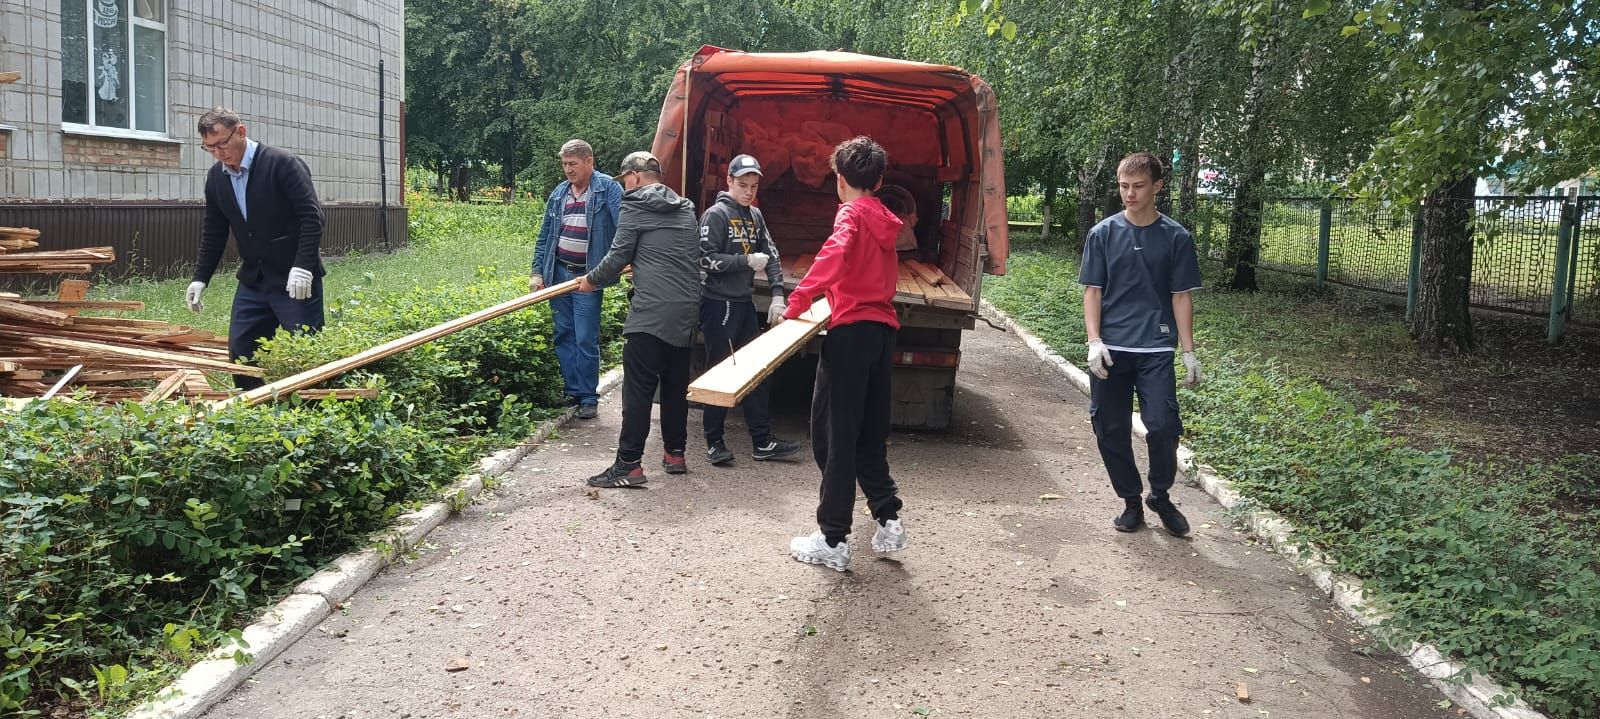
[(210, 680), (1477, 694)]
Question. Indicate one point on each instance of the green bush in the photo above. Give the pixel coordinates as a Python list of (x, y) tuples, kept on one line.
[(132, 536), (500, 372), (1492, 562)]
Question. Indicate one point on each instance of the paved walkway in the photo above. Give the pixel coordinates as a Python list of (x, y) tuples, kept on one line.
[(680, 599)]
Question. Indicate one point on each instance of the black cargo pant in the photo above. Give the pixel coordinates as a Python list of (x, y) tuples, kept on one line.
[(1150, 375), (649, 362), (728, 324), (850, 425)]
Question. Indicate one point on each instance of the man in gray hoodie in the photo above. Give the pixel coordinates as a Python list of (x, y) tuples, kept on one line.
[(658, 235)]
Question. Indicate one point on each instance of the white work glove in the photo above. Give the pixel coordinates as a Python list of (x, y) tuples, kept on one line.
[(535, 283), (758, 261), (775, 310), (192, 296), (299, 286), (1192, 363), (1099, 359)]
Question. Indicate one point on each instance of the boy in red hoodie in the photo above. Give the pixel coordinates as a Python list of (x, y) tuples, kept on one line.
[(857, 270)]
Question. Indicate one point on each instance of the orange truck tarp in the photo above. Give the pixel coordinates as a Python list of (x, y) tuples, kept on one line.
[(894, 87)]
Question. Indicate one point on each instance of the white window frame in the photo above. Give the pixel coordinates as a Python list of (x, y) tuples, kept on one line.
[(90, 128)]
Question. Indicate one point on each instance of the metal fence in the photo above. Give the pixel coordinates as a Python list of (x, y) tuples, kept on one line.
[(159, 240), (1532, 255)]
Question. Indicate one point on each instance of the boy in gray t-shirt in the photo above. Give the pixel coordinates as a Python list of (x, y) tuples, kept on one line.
[(1139, 267)]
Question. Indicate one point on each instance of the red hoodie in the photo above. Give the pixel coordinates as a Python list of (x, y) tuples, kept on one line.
[(856, 268)]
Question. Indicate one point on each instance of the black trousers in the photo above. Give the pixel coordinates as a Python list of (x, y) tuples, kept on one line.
[(1151, 376), (728, 324), (258, 312), (850, 425), (648, 362)]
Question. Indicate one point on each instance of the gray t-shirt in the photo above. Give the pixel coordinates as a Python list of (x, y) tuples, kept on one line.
[(1139, 269)]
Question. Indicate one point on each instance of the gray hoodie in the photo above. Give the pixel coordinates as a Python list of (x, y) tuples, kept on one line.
[(729, 233), (658, 235)]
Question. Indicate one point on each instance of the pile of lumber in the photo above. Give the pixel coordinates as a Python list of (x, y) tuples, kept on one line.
[(925, 284), (919, 283), (47, 349)]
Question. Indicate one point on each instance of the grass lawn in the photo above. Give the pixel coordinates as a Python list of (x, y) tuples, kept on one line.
[(448, 247)]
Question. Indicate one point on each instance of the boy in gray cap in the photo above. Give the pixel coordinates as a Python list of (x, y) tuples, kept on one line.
[(655, 234), (734, 246)]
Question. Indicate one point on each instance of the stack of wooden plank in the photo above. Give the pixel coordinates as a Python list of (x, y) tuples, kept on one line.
[(18, 238), (46, 349), (928, 283), (113, 358)]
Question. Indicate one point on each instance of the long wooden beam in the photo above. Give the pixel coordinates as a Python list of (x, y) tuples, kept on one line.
[(726, 384), (317, 375)]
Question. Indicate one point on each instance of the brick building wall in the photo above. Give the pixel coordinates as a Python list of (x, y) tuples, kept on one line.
[(302, 73)]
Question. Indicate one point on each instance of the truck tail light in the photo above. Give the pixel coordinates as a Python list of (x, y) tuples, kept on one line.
[(923, 358)]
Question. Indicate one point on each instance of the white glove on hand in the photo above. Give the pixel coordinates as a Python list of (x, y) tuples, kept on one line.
[(1192, 363), (758, 261), (192, 296), (1099, 359), (775, 311), (299, 284)]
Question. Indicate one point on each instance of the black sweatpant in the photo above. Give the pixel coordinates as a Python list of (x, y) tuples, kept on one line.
[(649, 362), (850, 425), (1152, 377), (733, 324)]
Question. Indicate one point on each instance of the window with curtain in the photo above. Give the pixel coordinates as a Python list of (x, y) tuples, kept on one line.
[(114, 64)]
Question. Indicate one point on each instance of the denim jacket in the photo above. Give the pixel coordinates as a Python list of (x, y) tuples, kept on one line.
[(605, 201)]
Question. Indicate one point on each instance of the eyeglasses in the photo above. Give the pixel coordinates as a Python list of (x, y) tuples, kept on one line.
[(217, 147)]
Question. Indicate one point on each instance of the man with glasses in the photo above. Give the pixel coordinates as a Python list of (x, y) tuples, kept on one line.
[(580, 219), (265, 197)]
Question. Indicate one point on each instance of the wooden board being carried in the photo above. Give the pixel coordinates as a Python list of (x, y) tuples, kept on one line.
[(726, 384)]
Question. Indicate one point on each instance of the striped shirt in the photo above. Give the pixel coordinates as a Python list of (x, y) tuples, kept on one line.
[(573, 244)]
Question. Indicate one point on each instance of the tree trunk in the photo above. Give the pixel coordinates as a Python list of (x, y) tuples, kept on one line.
[(1049, 195), (1189, 181), (1091, 184), (1244, 223), (1244, 235), (1442, 320), (462, 183)]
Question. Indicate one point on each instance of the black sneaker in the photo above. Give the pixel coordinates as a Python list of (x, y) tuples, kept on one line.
[(674, 463), (1132, 517), (717, 453), (1171, 518), (774, 448), (570, 401), (619, 475), (587, 411)]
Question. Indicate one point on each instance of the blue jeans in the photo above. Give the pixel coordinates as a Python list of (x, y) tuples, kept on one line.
[(1151, 376), (577, 339)]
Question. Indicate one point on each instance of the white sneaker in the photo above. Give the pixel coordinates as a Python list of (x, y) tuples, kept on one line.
[(890, 537), (815, 550)]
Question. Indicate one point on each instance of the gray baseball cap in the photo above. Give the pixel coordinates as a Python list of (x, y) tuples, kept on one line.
[(743, 165)]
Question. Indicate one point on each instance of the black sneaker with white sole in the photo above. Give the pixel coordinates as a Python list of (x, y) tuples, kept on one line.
[(774, 448), (717, 453)]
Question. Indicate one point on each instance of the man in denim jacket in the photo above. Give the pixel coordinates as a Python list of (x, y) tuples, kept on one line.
[(580, 219)]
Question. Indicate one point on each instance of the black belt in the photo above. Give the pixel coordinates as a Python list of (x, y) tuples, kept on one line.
[(577, 267)]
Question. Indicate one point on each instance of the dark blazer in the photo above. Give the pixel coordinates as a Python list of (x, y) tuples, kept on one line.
[(285, 226)]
